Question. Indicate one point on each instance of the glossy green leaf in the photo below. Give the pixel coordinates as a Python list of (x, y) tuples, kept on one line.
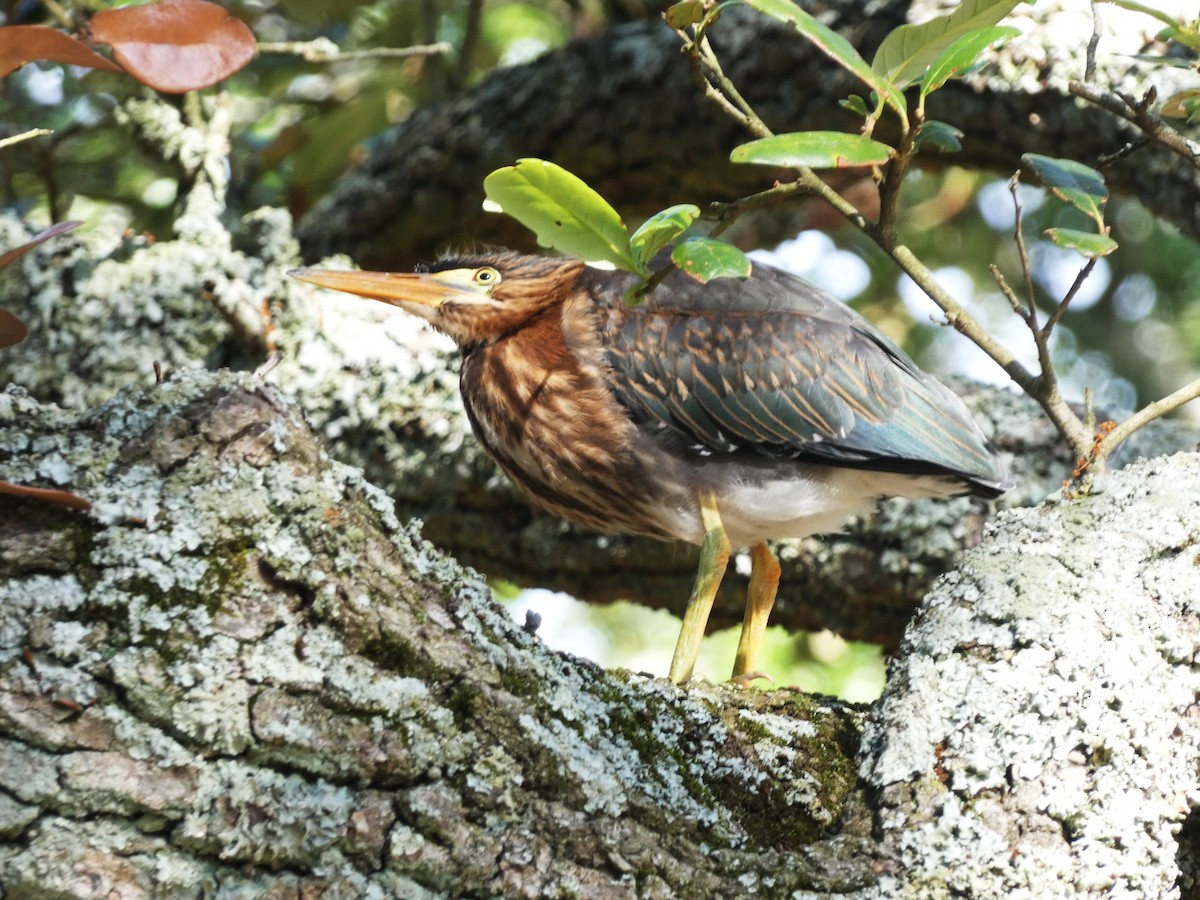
[(1072, 182), (815, 149), (909, 50), (832, 45), (659, 230), (962, 55), (561, 210), (706, 258), (1089, 243), (939, 135)]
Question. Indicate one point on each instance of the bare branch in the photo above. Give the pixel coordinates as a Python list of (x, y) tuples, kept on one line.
[(1066, 300), (1029, 313), (1138, 113), (728, 213), (1148, 413), (24, 136), (717, 86), (1005, 288), (323, 50), (1089, 71)]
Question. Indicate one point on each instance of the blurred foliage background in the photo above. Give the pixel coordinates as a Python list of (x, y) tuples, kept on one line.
[(1132, 335)]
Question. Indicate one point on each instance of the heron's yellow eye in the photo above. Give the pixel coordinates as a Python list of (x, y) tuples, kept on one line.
[(486, 277)]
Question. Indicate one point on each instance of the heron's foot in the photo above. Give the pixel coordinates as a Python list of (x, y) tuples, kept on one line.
[(747, 678)]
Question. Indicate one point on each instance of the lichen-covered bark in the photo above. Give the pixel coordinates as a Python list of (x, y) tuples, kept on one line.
[(239, 671), (1040, 725), (240, 674), (623, 111)]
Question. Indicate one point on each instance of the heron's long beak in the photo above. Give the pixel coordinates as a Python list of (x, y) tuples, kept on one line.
[(396, 288)]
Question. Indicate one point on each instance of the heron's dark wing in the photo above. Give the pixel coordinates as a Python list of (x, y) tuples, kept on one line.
[(794, 375)]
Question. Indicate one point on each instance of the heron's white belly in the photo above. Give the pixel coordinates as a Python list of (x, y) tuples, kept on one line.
[(755, 509)]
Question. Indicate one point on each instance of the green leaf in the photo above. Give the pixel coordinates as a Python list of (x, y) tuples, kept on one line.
[(684, 13), (561, 210), (1072, 182), (940, 135), (1088, 243), (1183, 105), (1148, 10), (909, 50), (706, 258), (815, 149), (962, 55), (834, 46), (659, 230), (855, 104)]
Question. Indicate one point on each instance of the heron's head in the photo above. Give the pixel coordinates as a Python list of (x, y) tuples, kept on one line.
[(473, 299)]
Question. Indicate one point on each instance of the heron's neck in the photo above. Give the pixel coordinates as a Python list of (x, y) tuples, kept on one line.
[(514, 370)]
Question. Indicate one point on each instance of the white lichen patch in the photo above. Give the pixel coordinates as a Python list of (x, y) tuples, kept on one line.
[(255, 815), (1047, 675), (602, 789)]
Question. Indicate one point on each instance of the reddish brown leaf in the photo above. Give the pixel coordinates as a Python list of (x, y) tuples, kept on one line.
[(16, 253), (20, 44), (46, 495), (176, 46), (12, 329)]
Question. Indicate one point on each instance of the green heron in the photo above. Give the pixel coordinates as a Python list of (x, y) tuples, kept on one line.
[(725, 414)]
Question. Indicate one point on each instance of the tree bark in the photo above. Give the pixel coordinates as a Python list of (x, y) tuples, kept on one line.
[(239, 672)]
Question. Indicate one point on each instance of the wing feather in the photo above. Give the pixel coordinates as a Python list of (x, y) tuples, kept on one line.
[(784, 370)]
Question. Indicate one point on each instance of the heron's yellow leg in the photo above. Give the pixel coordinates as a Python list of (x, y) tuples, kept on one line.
[(764, 583), (714, 557)]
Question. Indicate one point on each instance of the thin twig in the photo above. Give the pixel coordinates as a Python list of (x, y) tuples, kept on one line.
[(1152, 126), (717, 86), (24, 136), (1066, 300), (1009, 294), (1045, 388), (728, 213), (59, 14), (1089, 70), (466, 48), (1030, 310), (1148, 413), (322, 50), (269, 364), (713, 67), (1107, 159)]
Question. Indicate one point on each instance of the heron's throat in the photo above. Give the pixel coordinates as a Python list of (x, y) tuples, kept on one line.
[(509, 374)]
